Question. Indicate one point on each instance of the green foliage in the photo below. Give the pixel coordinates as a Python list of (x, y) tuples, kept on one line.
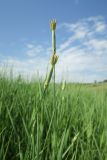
[(33, 128)]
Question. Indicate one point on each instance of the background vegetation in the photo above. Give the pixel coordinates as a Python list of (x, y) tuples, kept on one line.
[(73, 126)]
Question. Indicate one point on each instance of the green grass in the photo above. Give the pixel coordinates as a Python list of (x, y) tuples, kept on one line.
[(72, 128)]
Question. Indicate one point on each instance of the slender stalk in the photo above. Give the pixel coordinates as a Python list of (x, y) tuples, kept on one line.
[(54, 85), (54, 52), (53, 42), (54, 58)]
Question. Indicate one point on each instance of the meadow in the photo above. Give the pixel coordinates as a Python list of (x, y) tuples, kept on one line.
[(70, 125)]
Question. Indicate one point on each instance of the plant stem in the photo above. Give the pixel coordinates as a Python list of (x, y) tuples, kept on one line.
[(54, 52), (54, 86)]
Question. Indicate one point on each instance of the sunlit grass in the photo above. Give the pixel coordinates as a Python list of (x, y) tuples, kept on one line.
[(75, 127)]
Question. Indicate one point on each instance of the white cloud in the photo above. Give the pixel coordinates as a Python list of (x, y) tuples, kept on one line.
[(98, 44), (82, 56), (100, 27), (26, 67), (34, 50)]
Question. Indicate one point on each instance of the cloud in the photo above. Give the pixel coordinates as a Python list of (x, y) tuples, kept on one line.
[(82, 55), (28, 68), (34, 50)]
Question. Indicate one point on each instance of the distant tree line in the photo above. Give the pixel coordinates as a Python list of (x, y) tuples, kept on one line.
[(105, 80)]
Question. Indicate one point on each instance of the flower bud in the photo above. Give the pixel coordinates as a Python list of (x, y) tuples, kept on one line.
[(53, 25)]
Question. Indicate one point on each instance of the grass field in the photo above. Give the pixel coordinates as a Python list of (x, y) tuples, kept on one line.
[(71, 126)]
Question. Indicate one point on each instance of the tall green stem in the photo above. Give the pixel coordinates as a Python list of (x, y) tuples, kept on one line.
[(54, 57), (54, 52), (53, 42)]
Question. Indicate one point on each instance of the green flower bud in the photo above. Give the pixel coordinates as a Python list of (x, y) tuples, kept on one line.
[(53, 25), (54, 59)]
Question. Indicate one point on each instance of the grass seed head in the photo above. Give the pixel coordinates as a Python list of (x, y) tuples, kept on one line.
[(63, 85), (53, 25), (54, 59)]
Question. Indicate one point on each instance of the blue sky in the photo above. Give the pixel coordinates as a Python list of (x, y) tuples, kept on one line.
[(25, 37)]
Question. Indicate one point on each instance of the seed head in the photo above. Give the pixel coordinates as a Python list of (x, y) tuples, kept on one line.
[(63, 85), (53, 25), (54, 59)]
